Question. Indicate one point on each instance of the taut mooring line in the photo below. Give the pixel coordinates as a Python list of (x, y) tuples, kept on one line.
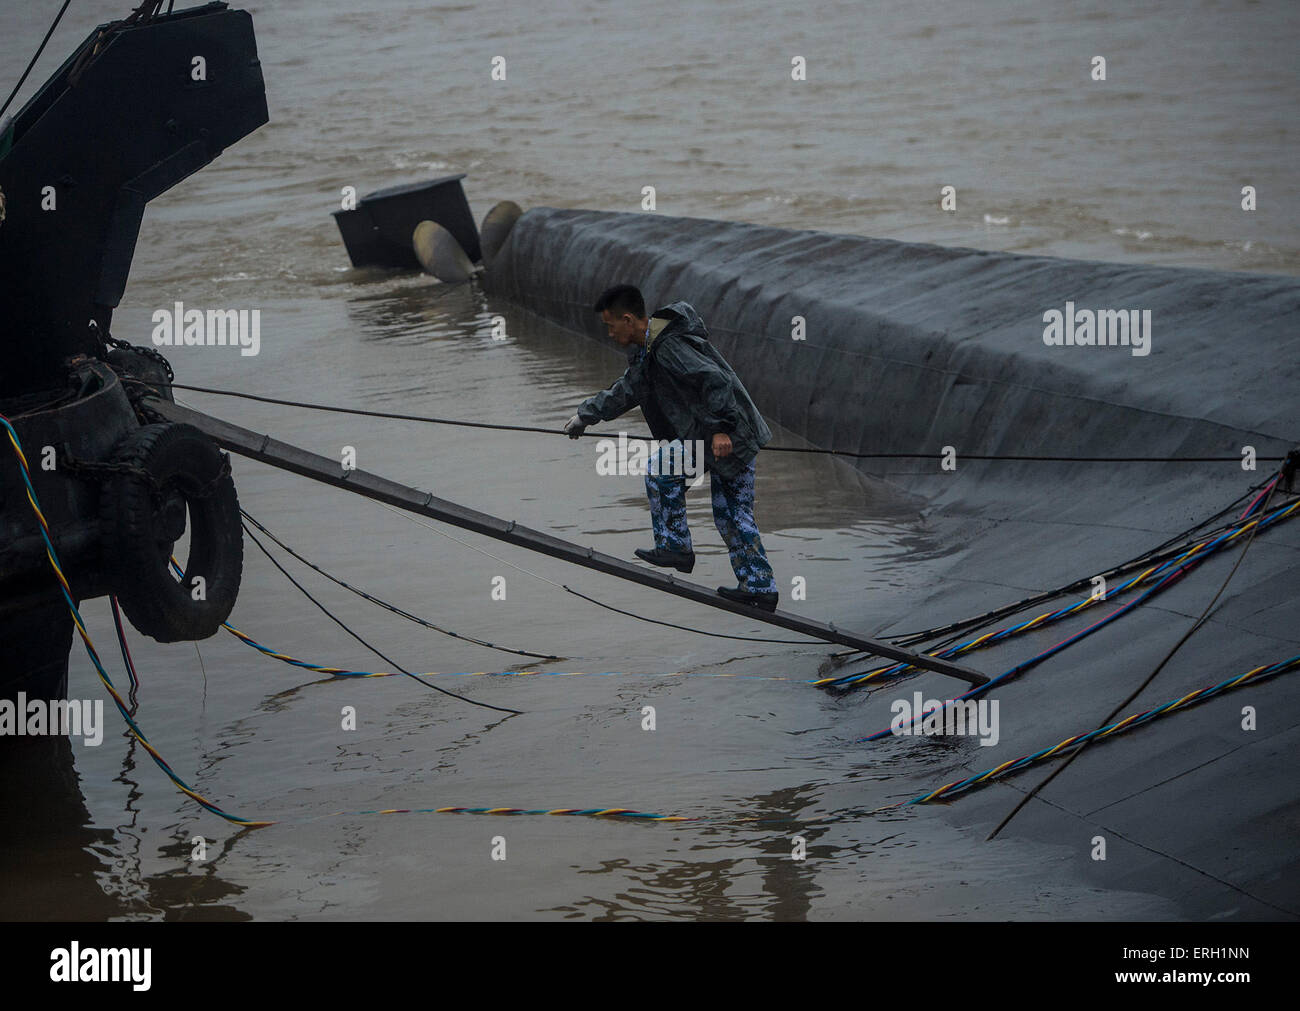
[(809, 450), (36, 56)]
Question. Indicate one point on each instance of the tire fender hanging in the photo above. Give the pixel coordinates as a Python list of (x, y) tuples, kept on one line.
[(160, 471)]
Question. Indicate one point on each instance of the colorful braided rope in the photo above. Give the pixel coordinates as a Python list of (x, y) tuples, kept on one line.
[(949, 790), (134, 728), (1153, 572), (583, 812), (1186, 563)]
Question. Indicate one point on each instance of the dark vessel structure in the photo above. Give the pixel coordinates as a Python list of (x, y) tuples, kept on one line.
[(140, 105), (377, 232)]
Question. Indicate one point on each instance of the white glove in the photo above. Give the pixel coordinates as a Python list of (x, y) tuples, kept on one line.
[(574, 427)]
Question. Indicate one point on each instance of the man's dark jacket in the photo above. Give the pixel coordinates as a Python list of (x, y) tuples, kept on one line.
[(687, 391)]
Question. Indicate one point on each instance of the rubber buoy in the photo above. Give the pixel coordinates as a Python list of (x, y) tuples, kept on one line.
[(440, 254), (497, 224), (163, 469)]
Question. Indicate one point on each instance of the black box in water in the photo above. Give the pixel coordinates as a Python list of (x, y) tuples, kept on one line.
[(378, 232)]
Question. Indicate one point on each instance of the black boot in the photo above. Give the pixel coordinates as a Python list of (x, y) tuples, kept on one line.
[(682, 561), (767, 601)]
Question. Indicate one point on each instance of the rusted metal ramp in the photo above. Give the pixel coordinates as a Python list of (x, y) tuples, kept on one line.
[(328, 471)]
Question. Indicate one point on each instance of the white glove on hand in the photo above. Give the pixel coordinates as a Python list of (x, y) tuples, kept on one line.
[(574, 427)]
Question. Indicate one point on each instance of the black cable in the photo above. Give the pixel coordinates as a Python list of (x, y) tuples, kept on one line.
[(684, 628), (303, 590), (430, 420), (1016, 458), (1150, 677), (357, 411), (39, 49), (393, 607), (1210, 519)]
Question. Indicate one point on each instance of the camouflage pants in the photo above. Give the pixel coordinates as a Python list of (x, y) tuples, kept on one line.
[(733, 514)]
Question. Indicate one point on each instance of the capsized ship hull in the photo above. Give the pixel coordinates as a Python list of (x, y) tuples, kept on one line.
[(910, 348)]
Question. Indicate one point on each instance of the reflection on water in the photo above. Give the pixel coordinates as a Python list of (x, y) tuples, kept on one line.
[(700, 887), (48, 869)]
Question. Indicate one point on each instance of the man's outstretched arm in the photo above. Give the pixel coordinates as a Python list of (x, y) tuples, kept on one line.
[(621, 397)]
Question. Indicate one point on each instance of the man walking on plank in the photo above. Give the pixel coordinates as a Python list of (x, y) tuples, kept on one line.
[(687, 392)]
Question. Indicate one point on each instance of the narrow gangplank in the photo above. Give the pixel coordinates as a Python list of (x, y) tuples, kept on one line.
[(328, 471)]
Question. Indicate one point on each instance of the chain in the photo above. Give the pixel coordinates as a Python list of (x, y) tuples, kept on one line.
[(109, 341), (93, 470), (96, 471), (137, 396)]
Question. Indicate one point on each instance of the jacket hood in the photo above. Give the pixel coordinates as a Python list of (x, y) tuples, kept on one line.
[(683, 320)]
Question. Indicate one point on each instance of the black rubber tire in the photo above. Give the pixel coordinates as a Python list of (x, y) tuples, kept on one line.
[(184, 462)]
